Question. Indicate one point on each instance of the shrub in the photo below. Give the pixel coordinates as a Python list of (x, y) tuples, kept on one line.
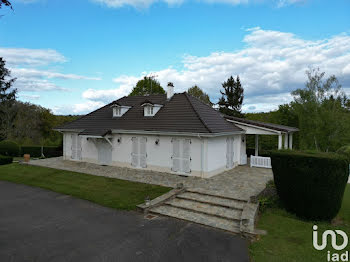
[(9, 148), (5, 160), (35, 151), (311, 185)]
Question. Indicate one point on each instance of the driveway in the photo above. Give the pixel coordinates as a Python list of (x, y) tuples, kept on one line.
[(40, 225), (241, 182)]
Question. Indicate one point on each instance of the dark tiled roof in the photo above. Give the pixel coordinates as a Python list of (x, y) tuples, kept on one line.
[(263, 124), (182, 113)]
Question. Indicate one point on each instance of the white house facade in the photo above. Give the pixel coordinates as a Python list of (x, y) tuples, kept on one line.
[(174, 133)]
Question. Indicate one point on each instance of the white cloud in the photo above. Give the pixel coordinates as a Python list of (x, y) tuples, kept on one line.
[(270, 66), (78, 109), (147, 3), (29, 97), (26, 65), (32, 57)]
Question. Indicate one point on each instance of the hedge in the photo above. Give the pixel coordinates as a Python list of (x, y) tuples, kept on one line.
[(9, 148), (311, 185), (345, 151), (35, 151), (6, 160)]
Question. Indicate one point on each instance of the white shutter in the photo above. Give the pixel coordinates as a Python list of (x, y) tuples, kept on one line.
[(176, 155), (143, 153), (78, 149), (134, 152), (74, 146), (229, 152), (185, 167)]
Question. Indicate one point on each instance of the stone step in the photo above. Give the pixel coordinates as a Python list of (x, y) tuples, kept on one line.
[(199, 218), (217, 194), (208, 209), (224, 202)]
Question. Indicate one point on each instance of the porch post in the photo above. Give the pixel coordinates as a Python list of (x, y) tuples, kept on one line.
[(279, 141), (286, 141), (290, 140), (256, 145)]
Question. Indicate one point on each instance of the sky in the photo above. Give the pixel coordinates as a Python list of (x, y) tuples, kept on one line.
[(76, 56)]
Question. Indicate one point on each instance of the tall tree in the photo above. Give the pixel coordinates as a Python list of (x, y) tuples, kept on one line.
[(200, 94), (5, 3), (147, 86), (322, 112), (232, 97), (7, 100)]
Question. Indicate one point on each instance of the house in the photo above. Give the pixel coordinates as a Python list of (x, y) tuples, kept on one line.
[(173, 133)]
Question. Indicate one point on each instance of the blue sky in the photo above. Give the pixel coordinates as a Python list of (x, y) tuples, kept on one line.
[(75, 56)]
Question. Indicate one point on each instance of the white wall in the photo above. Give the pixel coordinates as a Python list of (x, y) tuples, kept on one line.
[(159, 156)]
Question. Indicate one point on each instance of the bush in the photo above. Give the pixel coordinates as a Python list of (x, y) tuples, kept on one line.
[(35, 151), (311, 185), (9, 148), (6, 160)]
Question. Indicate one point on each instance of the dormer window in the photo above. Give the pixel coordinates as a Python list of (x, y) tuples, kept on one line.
[(119, 110), (150, 109)]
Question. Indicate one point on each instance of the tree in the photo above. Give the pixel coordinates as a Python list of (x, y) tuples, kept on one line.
[(5, 3), (147, 86), (322, 113), (198, 93), (231, 100), (7, 100)]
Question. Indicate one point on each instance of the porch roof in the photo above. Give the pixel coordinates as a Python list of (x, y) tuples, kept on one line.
[(261, 125)]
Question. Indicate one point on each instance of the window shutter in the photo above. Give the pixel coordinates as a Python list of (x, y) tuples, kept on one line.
[(186, 156), (74, 146), (229, 152), (176, 155), (143, 153), (79, 153), (134, 152)]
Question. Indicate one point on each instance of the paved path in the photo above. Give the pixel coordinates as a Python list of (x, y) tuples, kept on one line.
[(241, 182), (40, 225)]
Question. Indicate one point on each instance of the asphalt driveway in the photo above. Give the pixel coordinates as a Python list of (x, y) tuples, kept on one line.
[(40, 225)]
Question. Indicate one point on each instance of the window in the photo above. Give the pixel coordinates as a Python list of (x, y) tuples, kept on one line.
[(119, 110)]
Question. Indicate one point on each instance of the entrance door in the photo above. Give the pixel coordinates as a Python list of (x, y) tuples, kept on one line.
[(139, 152), (229, 152), (104, 152)]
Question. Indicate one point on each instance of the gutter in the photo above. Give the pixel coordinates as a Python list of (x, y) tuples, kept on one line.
[(144, 132)]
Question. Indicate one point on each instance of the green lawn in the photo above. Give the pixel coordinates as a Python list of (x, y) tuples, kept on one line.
[(105, 191), (290, 239)]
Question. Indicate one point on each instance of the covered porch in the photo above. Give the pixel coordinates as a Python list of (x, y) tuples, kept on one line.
[(256, 128)]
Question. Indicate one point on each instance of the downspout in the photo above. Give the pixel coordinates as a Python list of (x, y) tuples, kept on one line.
[(202, 155)]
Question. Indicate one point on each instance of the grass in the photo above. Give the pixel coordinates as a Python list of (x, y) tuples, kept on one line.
[(290, 239), (110, 192)]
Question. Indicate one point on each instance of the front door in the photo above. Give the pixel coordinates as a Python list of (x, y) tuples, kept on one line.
[(104, 152)]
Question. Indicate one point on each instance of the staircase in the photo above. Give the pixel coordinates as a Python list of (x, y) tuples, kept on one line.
[(226, 213)]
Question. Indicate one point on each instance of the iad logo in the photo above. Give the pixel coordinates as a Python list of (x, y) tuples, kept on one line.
[(335, 256)]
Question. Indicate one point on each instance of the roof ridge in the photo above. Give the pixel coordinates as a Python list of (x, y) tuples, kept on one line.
[(194, 109)]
